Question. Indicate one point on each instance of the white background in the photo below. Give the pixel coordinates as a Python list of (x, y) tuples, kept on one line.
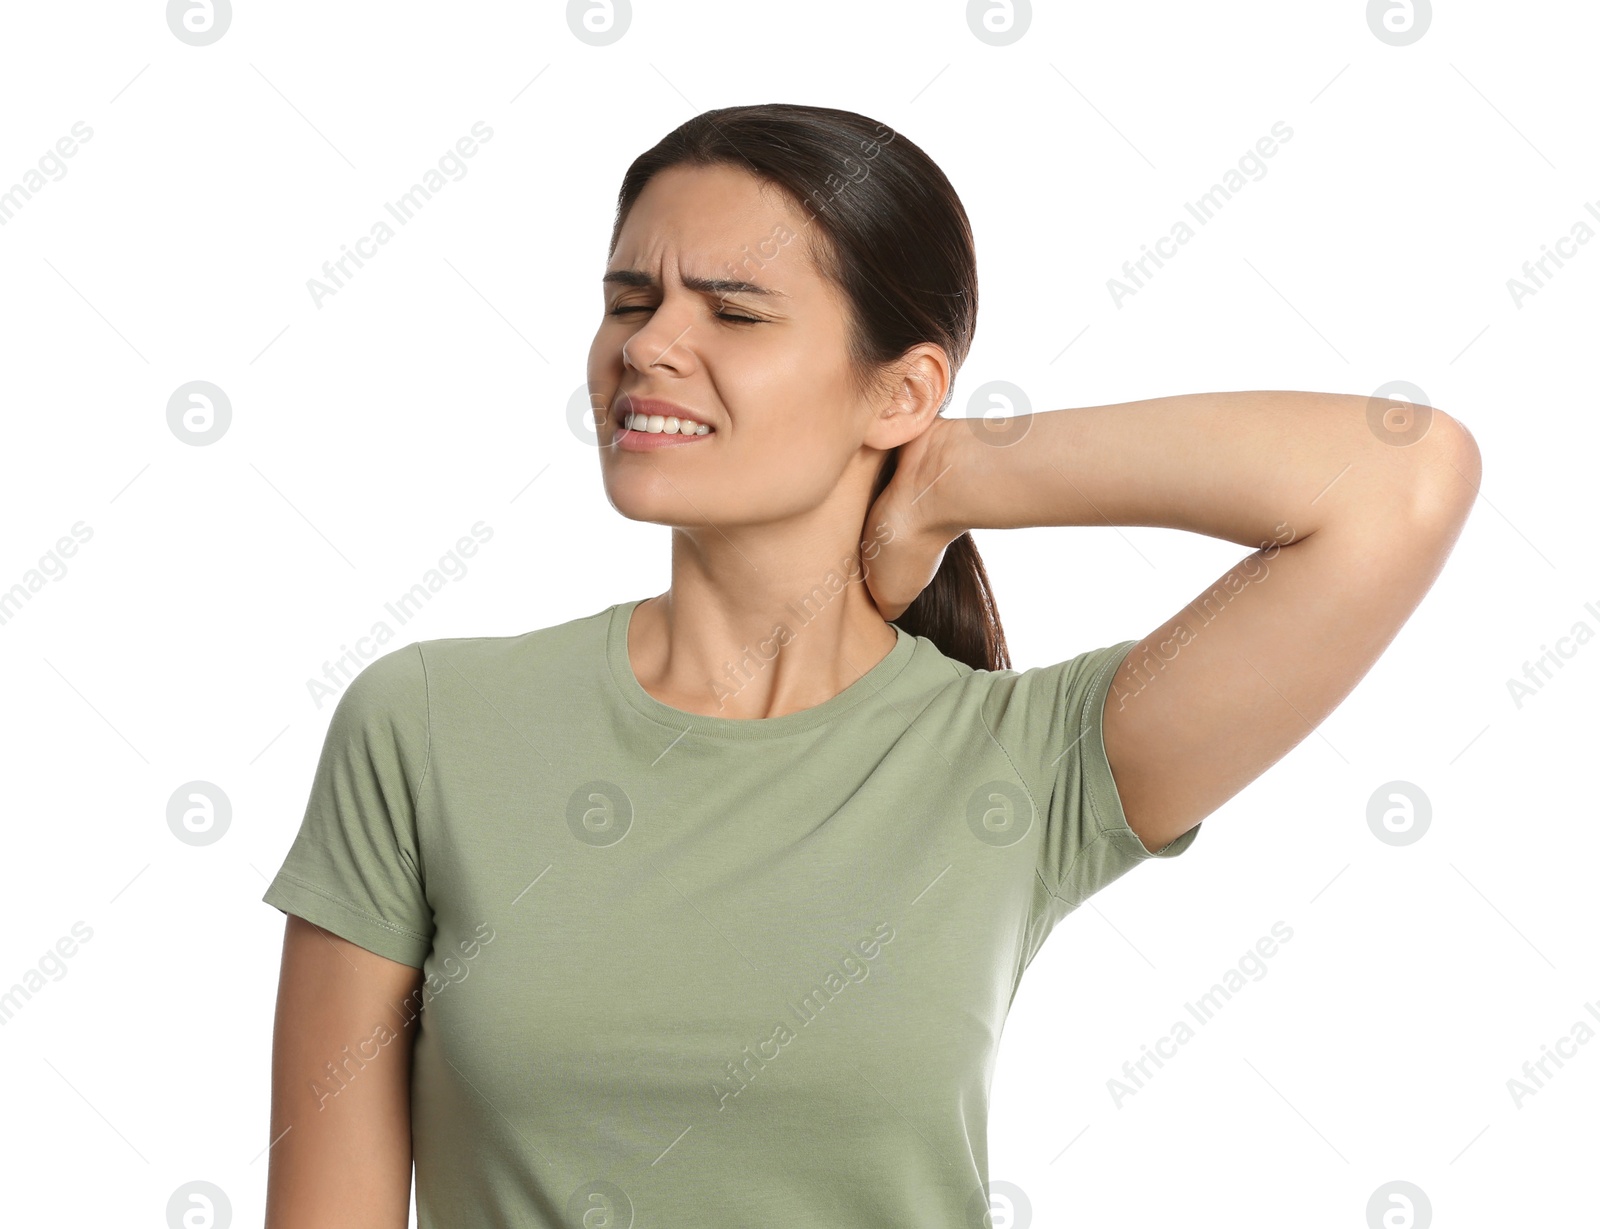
[(431, 392)]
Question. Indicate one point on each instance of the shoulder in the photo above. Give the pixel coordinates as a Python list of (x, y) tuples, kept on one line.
[(487, 655), (1032, 695), (387, 700), (1062, 692)]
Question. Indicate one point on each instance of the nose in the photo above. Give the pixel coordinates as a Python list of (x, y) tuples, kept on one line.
[(657, 343)]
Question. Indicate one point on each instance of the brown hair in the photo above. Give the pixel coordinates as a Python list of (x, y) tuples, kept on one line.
[(895, 239)]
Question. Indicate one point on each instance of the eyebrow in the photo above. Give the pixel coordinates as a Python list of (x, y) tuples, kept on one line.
[(710, 285)]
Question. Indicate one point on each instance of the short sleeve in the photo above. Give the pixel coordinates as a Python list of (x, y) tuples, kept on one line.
[(1050, 720), (355, 866)]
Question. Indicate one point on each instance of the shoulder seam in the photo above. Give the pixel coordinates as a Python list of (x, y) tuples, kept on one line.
[(1101, 831), (1057, 895), (427, 708), (427, 764), (1039, 815), (1111, 666)]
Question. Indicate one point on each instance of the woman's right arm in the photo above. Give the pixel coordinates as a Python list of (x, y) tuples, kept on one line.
[(341, 1156)]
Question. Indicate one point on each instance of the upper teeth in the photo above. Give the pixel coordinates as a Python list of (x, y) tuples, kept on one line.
[(657, 424)]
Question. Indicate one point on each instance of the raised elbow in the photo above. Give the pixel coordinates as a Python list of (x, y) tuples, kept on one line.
[(1449, 471)]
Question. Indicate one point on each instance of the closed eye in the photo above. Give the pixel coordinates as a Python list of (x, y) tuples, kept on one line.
[(619, 311)]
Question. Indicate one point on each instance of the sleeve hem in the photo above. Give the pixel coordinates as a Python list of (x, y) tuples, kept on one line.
[(1109, 815), (383, 938)]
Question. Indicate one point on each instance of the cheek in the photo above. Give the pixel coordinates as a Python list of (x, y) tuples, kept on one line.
[(776, 393), (604, 364)]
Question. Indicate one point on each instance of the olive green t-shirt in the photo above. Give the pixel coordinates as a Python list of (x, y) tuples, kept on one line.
[(688, 970)]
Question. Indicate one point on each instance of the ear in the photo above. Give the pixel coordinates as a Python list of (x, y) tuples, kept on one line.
[(915, 392)]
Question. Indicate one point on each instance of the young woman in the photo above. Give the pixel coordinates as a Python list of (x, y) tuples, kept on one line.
[(708, 908)]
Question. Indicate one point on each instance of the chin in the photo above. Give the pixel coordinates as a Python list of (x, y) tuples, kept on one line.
[(653, 500)]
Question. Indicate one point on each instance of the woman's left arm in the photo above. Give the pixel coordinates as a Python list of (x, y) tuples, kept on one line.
[(1350, 528)]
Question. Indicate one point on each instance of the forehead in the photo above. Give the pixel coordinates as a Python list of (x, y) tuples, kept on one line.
[(715, 222)]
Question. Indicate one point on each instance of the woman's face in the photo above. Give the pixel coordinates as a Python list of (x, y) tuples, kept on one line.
[(766, 371)]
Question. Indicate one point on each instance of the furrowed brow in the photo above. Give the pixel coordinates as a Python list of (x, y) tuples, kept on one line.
[(709, 285)]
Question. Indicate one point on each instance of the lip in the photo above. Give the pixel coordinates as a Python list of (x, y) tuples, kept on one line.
[(643, 441), (627, 404)]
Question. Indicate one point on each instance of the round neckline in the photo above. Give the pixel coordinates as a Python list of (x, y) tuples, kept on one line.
[(627, 685)]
